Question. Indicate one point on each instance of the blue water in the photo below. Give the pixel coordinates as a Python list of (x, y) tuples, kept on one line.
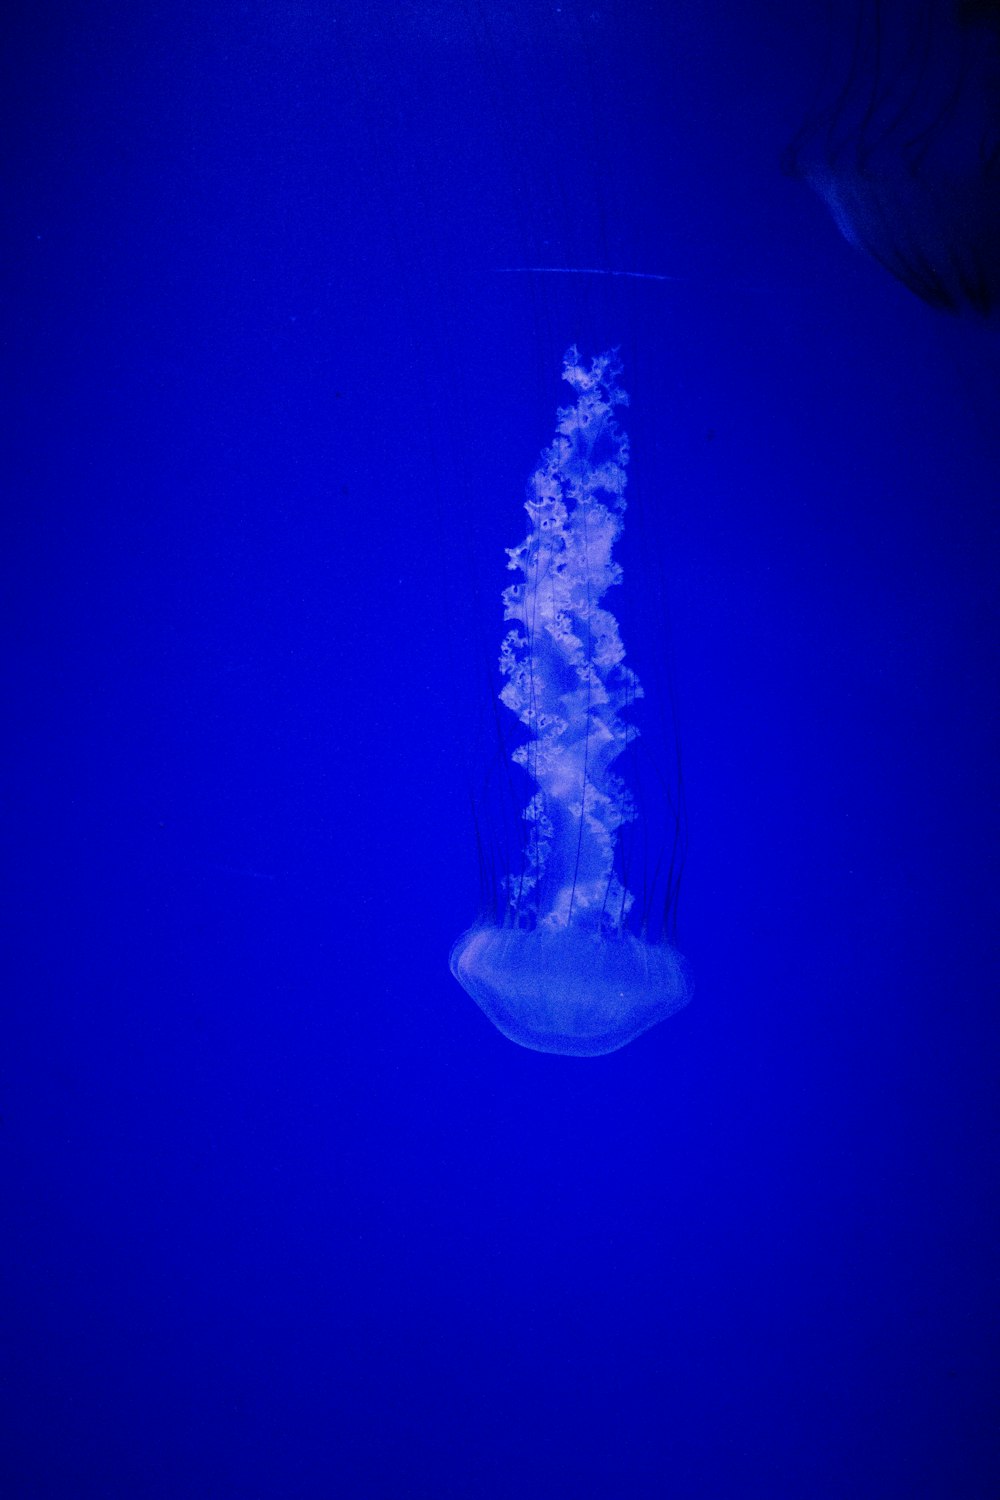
[(284, 1215)]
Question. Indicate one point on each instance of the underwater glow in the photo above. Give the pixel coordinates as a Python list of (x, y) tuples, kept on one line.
[(558, 970)]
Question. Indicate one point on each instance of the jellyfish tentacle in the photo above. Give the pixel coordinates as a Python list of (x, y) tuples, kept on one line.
[(564, 660)]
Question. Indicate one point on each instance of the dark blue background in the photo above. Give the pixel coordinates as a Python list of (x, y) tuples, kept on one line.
[(284, 1216)]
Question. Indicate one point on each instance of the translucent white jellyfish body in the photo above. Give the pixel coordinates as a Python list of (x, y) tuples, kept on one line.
[(558, 971)]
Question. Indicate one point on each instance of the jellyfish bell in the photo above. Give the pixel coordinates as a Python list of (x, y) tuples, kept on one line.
[(567, 990), (903, 145), (567, 960)]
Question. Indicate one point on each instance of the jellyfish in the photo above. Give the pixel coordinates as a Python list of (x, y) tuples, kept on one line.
[(904, 145), (559, 965)]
